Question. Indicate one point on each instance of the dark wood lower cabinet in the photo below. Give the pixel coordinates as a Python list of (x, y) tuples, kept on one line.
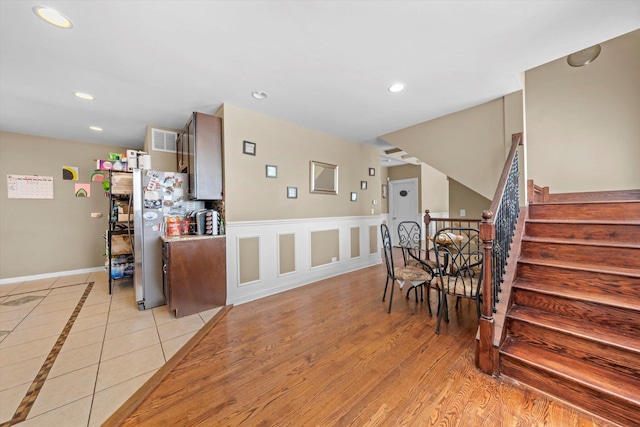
[(195, 274)]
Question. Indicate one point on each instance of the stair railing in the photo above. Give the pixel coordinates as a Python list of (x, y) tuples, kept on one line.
[(496, 232), (432, 225)]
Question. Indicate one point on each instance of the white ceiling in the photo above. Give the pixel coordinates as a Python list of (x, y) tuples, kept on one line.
[(326, 65)]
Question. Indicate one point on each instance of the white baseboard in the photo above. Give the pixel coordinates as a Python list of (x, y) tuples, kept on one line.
[(50, 275)]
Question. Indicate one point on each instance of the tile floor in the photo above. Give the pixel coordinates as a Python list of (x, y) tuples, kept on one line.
[(109, 352)]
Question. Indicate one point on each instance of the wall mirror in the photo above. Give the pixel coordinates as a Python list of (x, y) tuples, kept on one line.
[(324, 178)]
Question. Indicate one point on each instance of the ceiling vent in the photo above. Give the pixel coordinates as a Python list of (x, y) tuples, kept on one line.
[(163, 140)]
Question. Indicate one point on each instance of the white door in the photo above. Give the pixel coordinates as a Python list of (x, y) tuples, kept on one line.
[(403, 204)]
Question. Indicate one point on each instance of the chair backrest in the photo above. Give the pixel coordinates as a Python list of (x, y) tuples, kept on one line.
[(387, 247), (410, 236), (459, 257)]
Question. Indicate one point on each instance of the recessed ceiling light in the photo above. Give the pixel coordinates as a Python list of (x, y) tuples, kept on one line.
[(96, 128), (84, 96), (53, 17), (396, 87), (258, 94)]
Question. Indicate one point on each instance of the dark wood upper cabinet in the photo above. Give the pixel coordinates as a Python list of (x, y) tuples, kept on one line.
[(199, 154)]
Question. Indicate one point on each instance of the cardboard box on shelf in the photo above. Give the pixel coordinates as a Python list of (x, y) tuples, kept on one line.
[(121, 183), (124, 215), (120, 245)]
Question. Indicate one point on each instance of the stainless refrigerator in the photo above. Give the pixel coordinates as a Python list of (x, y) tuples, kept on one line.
[(156, 195)]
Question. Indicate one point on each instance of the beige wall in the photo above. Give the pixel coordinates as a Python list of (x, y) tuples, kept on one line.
[(286, 253), (249, 267), (160, 160), (583, 126), (462, 197), (40, 236), (467, 146), (384, 180), (373, 239), (513, 123), (325, 247), (355, 242), (435, 190), (249, 195)]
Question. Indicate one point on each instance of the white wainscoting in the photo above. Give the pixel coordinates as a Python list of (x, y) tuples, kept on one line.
[(270, 281)]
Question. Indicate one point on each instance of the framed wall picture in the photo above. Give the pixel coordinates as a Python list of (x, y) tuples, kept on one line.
[(249, 148), (323, 178), (372, 171), (363, 185), (272, 171), (292, 192)]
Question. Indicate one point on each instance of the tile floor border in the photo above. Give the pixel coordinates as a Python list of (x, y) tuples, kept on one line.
[(27, 402)]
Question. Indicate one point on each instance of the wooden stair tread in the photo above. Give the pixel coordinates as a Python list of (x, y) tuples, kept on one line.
[(595, 268), (609, 299), (583, 221), (588, 201), (573, 329), (596, 196), (590, 331), (582, 242), (604, 381)]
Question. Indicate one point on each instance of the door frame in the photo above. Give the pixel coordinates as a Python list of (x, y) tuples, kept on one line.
[(393, 223)]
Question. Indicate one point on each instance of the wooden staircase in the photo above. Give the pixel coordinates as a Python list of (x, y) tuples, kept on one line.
[(573, 328)]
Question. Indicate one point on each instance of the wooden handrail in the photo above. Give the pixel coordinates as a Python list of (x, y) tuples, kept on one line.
[(495, 255), (516, 141)]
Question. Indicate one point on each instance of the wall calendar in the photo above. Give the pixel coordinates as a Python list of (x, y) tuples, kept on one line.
[(29, 187)]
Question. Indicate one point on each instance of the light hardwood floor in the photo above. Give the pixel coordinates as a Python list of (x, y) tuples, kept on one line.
[(328, 354)]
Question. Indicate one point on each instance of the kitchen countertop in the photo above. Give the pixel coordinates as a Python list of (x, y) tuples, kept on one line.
[(187, 237)]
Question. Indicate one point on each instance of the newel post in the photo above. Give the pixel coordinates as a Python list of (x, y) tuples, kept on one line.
[(484, 349), (427, 221)]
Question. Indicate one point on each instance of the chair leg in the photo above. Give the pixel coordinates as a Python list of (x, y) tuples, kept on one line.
[(409, 291), (391, 296), (445, 307), (429, 299), (440, 311), (415, 288), (385, 289)]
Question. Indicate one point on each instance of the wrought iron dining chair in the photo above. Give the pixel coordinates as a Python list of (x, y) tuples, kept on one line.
[(417, 277), (459, 257), (410, 242)]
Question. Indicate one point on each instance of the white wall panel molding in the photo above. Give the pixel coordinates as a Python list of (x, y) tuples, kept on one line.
[(270, 282)]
